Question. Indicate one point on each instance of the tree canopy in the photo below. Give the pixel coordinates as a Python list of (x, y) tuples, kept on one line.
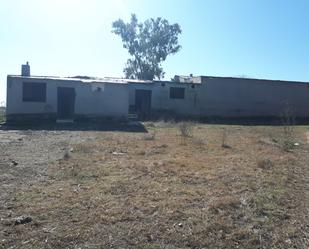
[(149, 44)]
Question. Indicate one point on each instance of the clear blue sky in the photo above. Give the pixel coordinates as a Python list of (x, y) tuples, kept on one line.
[(256, 38)]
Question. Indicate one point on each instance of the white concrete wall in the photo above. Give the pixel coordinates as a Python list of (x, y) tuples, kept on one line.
[(160, 99), (113, 100), (231, 97), (226, 97)]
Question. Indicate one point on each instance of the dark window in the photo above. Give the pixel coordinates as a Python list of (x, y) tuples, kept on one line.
[(34, 92), (177, 93)]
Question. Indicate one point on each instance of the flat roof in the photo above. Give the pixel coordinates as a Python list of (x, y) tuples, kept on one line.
[(89, 79), (248, 78), (115, 80), (84, 79)]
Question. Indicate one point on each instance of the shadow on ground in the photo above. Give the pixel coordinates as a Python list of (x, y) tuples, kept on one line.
[(121, 126), (245, 121)]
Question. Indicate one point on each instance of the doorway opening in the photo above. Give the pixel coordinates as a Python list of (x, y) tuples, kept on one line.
[(66, 103), (143, 101)]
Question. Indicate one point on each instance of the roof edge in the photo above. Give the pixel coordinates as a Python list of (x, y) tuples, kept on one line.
[(245, 78)]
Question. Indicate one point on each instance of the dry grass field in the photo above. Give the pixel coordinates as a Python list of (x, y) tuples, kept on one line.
[(198, 186)]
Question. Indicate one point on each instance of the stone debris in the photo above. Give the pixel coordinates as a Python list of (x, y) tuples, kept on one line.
[(14, 163), (115, 153), (22, 220)]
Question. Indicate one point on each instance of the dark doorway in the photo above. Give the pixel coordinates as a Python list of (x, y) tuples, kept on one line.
[(66, 102), (142, 101)]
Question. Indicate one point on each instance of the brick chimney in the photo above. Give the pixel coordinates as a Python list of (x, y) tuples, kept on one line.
[(25, 69)]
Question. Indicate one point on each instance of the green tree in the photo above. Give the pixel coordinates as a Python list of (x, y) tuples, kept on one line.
[(149, 44)]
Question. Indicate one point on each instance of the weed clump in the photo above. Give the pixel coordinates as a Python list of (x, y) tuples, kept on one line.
[(150, 136), (265, 164), (185, 129), (223, 139), (288, 128)]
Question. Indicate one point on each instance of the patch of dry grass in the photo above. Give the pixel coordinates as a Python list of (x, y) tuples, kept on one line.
[(2, 117), (155, 193)]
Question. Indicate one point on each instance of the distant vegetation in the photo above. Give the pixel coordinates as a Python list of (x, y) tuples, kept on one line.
[(148, 43)]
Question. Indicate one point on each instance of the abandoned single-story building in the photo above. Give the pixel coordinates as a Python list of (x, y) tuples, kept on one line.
[(206, 96), (40, 97), (73, 98)]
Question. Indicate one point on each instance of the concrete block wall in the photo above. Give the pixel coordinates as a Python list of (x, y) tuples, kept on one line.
[(230, 97), (215, 96), (112, 100), (236, 97), (160, 99)]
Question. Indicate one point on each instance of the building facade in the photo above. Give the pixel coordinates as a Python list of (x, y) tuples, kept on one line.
[(75, 98), (224, 97), (55, 98)]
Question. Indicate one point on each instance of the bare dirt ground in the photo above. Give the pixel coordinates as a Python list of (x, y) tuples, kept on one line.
[(113, 189)]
